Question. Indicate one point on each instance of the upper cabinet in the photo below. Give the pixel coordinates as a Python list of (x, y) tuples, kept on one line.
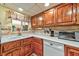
[(59, 14), (49, 18), (34, 22), (64, 14), (40, 19), (37, 21), (77, 13)]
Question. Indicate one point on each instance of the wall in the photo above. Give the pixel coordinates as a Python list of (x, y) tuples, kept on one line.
[(7, 23)]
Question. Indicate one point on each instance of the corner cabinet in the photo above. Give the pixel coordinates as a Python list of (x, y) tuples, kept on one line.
[(71, 51), (23, 47)]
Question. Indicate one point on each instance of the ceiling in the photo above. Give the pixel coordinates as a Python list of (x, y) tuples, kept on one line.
[(30, 8)]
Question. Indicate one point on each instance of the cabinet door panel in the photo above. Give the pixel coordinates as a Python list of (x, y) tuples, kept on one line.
[(38, 52), (59, 14), (71, 51), (40, 19), (27, 49), (67, 13), (34, 22), (38, 46), (77, 13), (49, 18)]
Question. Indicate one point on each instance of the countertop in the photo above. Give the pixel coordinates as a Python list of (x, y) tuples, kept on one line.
[(8, 38)]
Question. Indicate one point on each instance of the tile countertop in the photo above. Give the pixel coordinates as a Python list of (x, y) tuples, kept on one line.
[(8, 38)]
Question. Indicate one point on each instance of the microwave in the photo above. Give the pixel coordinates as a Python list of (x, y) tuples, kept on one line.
[(74, 36)]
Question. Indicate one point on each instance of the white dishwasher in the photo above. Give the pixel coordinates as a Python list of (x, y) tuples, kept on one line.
[(53, 48)]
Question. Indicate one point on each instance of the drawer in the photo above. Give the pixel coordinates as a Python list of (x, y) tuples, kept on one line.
[(26, 41), (38, 40), (12, 52), (10, 45)]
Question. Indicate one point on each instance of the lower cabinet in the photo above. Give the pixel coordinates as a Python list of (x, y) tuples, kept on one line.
[(23, 47), (38, 46), (27, 50), (71, 51)]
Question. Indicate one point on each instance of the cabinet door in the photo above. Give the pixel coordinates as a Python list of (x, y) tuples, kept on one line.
[(68, 14), (59, 12), (49, 18), (71, 51), (40, 19), (34, 22), (65, 14), (77, 13), (38, 46), (27, 49)]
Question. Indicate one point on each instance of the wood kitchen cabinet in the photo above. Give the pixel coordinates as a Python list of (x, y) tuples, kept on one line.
[(26, 48), (12, 52), (71, 51), (34, 22), (37, 21), (23, 47), (40, 20), (10, 48), (37, 46), (17, 48), (49, 18), (65, 14), (77, 6)]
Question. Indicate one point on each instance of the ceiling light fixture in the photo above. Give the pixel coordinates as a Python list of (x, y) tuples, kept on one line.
[(20, 9), (46, 4)]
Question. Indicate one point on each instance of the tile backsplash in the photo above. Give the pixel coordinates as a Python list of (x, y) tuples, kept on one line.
[(66, 28)]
